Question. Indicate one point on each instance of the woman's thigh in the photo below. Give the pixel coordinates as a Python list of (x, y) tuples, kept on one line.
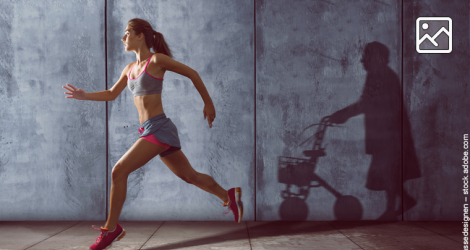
[(138, 155)]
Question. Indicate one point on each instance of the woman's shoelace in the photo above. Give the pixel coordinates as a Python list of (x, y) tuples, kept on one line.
[(228, 209), (100, 237)]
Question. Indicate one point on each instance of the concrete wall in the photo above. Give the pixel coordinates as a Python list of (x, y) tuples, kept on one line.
[(401, 140), (52, 161), (436, 97)]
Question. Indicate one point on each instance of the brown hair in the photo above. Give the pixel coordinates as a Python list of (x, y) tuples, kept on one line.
[(152, 37)]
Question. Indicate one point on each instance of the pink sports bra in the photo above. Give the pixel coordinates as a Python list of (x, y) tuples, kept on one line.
[(144, 84)]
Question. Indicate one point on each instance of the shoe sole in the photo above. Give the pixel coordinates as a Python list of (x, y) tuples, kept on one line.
[(238, 195), (123, 233)]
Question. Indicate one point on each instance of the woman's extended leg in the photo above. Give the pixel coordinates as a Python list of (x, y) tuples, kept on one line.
[(179, 164), (138, 155)]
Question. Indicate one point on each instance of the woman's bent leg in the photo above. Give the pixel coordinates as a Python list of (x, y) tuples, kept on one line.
[(179, 165)]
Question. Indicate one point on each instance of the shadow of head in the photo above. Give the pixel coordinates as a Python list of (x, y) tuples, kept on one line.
[(375, 56)]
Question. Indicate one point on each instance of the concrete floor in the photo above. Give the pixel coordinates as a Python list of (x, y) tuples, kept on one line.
[(230, 235)]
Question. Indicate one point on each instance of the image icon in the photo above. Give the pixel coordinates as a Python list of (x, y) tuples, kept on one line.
[(434, 35)]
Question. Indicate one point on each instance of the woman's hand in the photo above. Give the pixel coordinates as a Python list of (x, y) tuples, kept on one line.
[(74, 93), (209, 112)]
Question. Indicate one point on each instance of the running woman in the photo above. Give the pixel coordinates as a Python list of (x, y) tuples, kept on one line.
[(158, 134)]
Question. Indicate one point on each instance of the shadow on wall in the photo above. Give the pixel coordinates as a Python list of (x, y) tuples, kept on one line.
[(381, 104)]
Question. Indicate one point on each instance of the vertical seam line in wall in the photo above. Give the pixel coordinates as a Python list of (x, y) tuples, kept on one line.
[(402, 104), (254, 46), (106, 87)]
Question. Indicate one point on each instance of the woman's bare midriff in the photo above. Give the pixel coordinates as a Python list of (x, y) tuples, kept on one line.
[(148, 106)]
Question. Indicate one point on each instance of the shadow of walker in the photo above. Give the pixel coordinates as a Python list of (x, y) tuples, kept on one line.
[(381, 105)]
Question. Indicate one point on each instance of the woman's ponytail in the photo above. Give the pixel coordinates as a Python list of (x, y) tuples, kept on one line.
[(159, 44)]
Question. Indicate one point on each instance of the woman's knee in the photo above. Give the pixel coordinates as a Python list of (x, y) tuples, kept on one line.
[(118, 172)]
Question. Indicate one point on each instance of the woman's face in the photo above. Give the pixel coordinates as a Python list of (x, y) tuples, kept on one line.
[(129, 39), (125, 39)]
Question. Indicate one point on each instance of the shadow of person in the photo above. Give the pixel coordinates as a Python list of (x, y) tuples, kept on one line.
[(381, 104)]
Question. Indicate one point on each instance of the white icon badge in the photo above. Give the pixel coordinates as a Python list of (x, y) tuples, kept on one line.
[(434, 35)]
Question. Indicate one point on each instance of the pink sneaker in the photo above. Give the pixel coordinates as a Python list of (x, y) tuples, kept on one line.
[(235, 204), (106, 238)]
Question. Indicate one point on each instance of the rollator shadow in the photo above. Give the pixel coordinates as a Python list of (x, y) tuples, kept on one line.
[(299, 173), (388, 141), (388, 138)]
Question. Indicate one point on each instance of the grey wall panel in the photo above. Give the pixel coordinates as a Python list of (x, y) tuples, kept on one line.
[(52, 149), (436, 90), (307, 67), (215, 38)]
